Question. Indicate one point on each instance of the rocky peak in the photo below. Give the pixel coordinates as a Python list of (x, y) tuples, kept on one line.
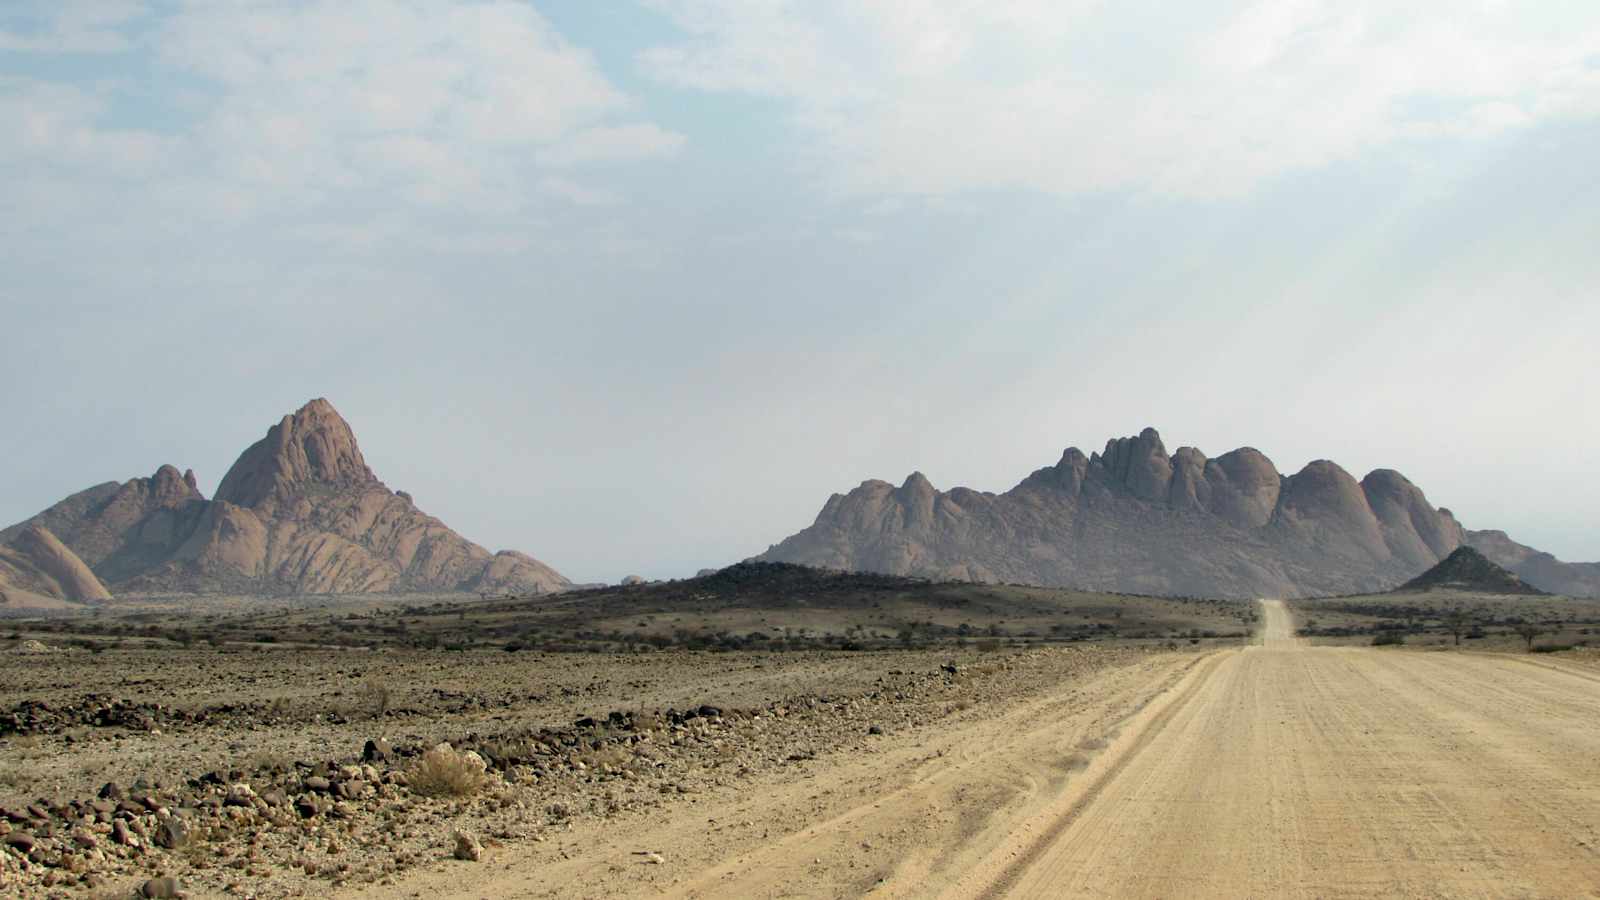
[(315, 446), (168, 488), (1140, 464)]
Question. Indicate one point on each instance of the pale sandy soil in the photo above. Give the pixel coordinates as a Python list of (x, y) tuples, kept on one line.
[(1277, 770)]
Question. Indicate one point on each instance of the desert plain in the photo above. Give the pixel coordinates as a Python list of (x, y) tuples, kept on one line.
[(829, 735)]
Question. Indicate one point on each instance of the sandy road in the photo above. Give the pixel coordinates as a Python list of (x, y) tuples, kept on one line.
[(1289, 771), (1277, 770)]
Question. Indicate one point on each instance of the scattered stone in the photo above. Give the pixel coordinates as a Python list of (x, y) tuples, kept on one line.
[(318, 784), (377, 750), (467, 847), (164, 888), (875, 729), (21, 840), (172, 834)]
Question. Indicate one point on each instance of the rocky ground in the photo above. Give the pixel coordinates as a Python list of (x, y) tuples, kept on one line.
[(287, 772)]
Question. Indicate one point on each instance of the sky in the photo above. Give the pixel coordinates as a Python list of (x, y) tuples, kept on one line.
[(633, 286)]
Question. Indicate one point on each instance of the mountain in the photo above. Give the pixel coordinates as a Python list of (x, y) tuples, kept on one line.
[(299, 512), (1139, 520), (1466, 569), (1537, 567), (37, 570)]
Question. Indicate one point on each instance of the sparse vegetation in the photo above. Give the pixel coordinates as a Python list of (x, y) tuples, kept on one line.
[(442, 772), (377, 696)]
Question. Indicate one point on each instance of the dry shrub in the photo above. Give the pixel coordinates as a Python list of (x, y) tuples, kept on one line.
[(612, 756), (377, 697), (445, 773)]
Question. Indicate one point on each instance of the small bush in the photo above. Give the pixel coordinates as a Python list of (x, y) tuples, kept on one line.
[(1551, 648), (445, 773), (1388, 638), (377, 696)]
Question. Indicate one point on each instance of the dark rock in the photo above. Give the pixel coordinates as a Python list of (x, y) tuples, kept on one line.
[(119, 832), (318, 784), (21, 840), (710, 712), (172, 834), (306, 806), (377, 750), (165, 888)]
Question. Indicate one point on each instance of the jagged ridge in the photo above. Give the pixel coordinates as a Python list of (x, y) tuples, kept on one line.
[(1137, 519)]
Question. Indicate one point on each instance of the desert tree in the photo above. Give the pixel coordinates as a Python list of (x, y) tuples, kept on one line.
[(1528, 631), (1458, 622)]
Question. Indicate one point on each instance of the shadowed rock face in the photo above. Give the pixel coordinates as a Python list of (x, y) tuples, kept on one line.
[(1136, 519), (300, 511)]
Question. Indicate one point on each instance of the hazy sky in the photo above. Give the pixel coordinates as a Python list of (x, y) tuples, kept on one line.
[(633, 286)]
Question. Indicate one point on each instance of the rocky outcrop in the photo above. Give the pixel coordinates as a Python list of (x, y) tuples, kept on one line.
[(1137, 519), (35, 562), (300, 512)]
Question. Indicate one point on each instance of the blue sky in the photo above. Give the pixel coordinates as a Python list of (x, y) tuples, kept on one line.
[(634, 286)]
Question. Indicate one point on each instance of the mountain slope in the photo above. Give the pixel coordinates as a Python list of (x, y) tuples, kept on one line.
[(1137, 519), (300, 512), (36, 564), (1538, 568), (1466, 569)]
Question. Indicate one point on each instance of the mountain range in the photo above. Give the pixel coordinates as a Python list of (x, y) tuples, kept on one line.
[(1137, 519), (299, 512)]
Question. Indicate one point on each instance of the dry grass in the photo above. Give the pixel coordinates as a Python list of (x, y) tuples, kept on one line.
[(377, 697), (445, 773), (615, 757)]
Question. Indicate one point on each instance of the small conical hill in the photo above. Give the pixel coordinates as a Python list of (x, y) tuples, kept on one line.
[(1468, 570)]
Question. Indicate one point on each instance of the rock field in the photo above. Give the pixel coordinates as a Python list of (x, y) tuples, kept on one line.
[(284, 773)]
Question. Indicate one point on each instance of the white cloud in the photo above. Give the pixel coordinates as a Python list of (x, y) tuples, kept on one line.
[(579, 194), (315, 112), (450, 98), (924, 97), (613, 143), (54, 126), (74, 26)]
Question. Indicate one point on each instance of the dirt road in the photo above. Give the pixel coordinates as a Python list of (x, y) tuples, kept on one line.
[(1276, 770), (1292, 771)]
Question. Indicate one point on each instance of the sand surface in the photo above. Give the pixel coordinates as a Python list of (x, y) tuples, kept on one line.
[(1276, 770)]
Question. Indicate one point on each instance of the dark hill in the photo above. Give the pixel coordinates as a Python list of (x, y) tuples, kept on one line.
[(1468, 570)]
